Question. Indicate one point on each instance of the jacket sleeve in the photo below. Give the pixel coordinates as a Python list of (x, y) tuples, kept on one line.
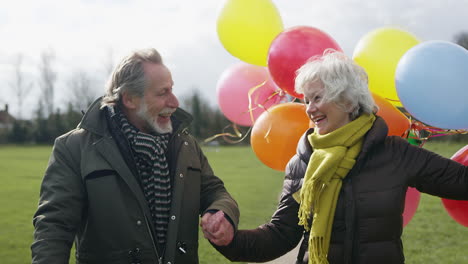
[(274, 239), (433, 174), (60, 208), (214, 195)]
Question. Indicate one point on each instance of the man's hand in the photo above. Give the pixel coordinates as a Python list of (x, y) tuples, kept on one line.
[(217, 228)]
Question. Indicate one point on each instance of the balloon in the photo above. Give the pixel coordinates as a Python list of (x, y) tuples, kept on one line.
[(378, 52), (397, 122), (458, 210), (291, 49), (431, 80), (411, 204), (276, 133), (246, 29), (233, 89), (413, 196)]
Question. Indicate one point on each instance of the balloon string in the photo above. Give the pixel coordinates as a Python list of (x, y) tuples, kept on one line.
[(226, 135), (237, 134), (278, 93), (249, 95), (423, 132)]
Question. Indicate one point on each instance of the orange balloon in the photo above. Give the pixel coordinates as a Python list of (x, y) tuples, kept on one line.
[(276, 132), (397, 122)]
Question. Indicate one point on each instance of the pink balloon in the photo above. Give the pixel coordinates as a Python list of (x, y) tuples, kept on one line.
[(458, 210), (233, 90), (291, 49), (411, 204)]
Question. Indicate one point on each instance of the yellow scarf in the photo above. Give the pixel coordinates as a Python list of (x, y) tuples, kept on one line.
[(334, 155)]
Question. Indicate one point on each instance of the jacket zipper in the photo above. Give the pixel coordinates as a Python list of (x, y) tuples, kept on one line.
[(152, 241)]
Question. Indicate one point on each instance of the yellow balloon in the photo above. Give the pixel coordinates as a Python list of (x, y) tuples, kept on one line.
[(378, 52), (246, 29)]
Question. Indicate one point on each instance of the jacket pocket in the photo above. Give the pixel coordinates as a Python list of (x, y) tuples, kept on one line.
[(98, 174)]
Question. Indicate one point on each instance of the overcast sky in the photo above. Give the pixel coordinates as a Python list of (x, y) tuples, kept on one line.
[(84, 34)]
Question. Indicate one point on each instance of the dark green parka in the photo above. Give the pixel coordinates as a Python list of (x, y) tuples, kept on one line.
[(90, 194)]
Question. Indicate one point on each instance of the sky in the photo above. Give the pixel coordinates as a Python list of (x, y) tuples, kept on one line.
[(85, 35)]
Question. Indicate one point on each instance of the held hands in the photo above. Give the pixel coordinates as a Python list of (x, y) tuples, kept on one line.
[(217, 228)]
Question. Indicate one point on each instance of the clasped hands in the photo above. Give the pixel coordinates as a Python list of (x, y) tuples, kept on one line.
[(217, 228)]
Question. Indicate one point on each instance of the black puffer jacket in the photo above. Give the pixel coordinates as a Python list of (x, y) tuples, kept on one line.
[(368, 221)]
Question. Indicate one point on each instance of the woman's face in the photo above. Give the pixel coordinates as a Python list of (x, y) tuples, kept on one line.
[(327, 116)]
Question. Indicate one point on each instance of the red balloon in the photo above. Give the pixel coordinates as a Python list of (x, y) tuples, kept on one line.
[(291, 49), (458, 210), (411, 204)]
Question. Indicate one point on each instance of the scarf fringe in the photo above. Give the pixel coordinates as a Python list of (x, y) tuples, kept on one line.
[(313, 198), (317, 253)]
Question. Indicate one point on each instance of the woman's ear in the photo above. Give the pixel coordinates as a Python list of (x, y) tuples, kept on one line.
[(349, 107)]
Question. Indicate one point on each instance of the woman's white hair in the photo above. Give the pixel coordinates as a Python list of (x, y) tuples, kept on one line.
[(345, 83), (129, 75)]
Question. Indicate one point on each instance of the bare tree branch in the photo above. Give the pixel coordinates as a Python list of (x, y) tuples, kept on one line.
[(82, 90), (19, 84), (47, 79)]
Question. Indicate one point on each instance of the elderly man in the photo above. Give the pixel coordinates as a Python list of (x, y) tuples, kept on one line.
[(129, 184)]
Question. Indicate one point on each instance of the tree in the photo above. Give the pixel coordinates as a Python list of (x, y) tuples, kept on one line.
[(41, 133), (82, 92), (47, 79), (207, 121), (462, 39), (71, 117), (21, 131), (55, 125), (19, 84)]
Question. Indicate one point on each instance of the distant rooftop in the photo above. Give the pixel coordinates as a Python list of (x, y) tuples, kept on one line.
[(6, 120)]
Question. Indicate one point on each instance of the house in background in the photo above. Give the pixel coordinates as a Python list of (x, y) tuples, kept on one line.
[(6, 120)]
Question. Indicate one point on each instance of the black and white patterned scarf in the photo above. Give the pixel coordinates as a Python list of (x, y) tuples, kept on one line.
[(149, 152)]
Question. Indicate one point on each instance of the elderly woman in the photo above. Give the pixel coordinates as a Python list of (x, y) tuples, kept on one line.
[(344, 190)]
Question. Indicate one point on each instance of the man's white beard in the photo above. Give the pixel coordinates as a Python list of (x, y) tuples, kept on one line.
[(152, 121)]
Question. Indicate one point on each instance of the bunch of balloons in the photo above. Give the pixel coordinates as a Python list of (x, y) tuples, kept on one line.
[(256, 92), (426, 79)]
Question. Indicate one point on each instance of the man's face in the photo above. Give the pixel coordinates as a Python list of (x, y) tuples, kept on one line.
[(158, 103)]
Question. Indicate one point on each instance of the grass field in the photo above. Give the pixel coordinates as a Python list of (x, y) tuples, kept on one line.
[(431, 237)]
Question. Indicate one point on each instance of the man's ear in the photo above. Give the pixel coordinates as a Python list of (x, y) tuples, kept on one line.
[(130, 101)]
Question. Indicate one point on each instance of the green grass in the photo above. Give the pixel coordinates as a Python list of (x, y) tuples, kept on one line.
[(21, 170), (255, 187), (431, 236)]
